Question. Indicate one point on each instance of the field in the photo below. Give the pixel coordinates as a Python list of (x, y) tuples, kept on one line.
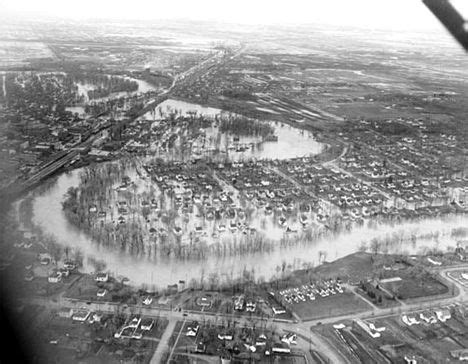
[(13, 53), (415, 287), (352, 268), (337, 305)]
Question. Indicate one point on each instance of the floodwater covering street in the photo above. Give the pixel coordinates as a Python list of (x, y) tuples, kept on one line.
[(407, 237), (414, 237)]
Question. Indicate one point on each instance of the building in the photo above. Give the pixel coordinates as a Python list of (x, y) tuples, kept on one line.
[(102, 277), (65, 312), (54, 277), (192, 329)]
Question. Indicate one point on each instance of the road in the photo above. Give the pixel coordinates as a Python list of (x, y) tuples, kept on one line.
[(303, 329), (163, 345), (175, 342)]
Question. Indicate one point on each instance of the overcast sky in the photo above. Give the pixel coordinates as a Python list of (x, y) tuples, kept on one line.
[(398, 14)]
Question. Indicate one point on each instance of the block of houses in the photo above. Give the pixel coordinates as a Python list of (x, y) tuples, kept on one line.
[(102, 277)]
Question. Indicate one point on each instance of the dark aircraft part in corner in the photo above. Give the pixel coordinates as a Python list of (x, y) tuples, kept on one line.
[(451, 19)]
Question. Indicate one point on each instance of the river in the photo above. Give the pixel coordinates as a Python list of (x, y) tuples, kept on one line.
[(83, 89), (143, 87), (48, 214)]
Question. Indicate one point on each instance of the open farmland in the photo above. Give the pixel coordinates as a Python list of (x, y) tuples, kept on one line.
[(14, 53)]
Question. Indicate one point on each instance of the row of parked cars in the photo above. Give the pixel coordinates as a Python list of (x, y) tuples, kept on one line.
[(311, 291)]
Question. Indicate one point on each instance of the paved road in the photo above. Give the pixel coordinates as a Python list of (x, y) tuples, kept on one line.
[(303, 328), (175, 343), (163, 345)]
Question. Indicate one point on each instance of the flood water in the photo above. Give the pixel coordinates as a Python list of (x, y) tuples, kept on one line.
[(411, 238), (143, 87), (291, 143), (48, 214), (182, 108)]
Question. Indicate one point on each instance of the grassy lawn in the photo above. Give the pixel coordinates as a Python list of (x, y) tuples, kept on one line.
[(85, 343), (86, 288), (340, 304), (410, 287)]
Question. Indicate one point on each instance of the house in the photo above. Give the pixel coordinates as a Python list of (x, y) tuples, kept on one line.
[(428, 317), (250, 306), (29, 276), (281, 348), (434, 262), (239, 303), (278, 310), (64, 272), (45, 259), (172, 288), (443, 314), (181, 286), (137, 334), (102, 277), (201, 348), (147, 300), (192, 329), (101, 292), (461, 355), (363, 325), (65, 312), (378, 329), (461, 253), (69, 265), (147, 324), (54, 277), (95, 317), (134, 321), (225, 336), (290, 338), (410, 320), (125, 333), (261, 340), (81, 315), (204, 302), (410, 359)]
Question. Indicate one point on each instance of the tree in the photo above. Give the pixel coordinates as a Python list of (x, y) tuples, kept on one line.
[(213, 279), (78, 257), (99, 265)]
